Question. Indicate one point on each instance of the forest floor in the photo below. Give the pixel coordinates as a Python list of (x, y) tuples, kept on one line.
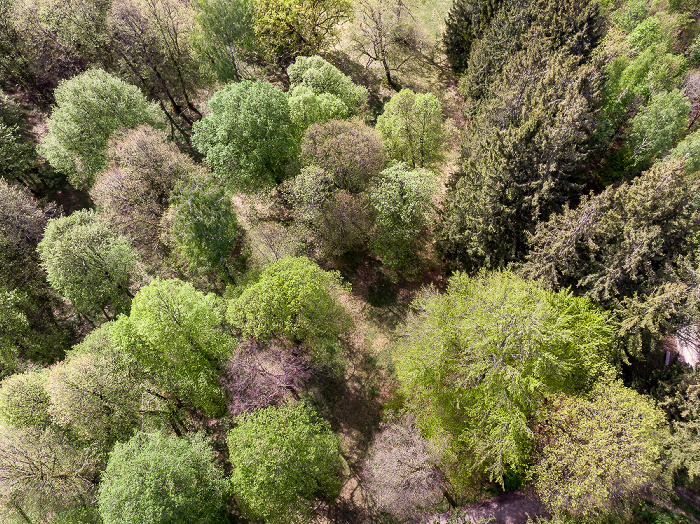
[(511, 508)]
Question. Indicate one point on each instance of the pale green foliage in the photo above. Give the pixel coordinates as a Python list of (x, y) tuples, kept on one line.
[(319, 92), (175, 335), (158, 479), (478, 361), (658, 125), (293, 299), (411, 128), (288, 28), (88, 264), (42, 471), (599, 450), (284, 458), (205, 229), (95, 392), (89, 108), (402, 199), (689, 150), (23, 400), (248, 139)]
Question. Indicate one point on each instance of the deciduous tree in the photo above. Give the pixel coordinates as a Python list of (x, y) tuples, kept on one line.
[(227, 32), (205, 229), (151, 42), (319, 92), (339, 221), (43, 471), (161, 479), (285, 459), (404, 471), (598, 451), (132, 195), (403, 201), (293, 299), (248, 139), (89, 265), (411, 128), (478, 361), (96, 392), (656, 128), (28, 305), (175, 333), (23, 399), (286, 29), (387, 33), (89, 108), (348, 150)]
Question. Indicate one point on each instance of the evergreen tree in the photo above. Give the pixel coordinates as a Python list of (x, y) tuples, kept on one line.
[(524, 160), (631, 249)]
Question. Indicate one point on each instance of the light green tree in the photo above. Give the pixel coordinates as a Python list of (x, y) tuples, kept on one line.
[(158, 479), (688, 149), (89, 265), (248, 139), (23, 399), (43, 470), (657, 126), (598, 451), (175, 335), (403, 201), (411, 128), (477, 362), (89, 108), (96, 392), (285, 459), (226, 32), (319, 92), (296, 300)]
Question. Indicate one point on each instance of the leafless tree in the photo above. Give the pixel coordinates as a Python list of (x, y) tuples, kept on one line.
[(403, 470), (387, 33), (260, 375)]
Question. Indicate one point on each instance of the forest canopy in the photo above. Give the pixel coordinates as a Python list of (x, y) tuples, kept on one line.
[(349, 261)]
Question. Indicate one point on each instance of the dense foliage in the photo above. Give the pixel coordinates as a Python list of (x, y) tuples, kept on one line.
[(349, 260)]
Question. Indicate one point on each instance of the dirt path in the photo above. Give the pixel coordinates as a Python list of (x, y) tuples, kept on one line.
[(511, 508)]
